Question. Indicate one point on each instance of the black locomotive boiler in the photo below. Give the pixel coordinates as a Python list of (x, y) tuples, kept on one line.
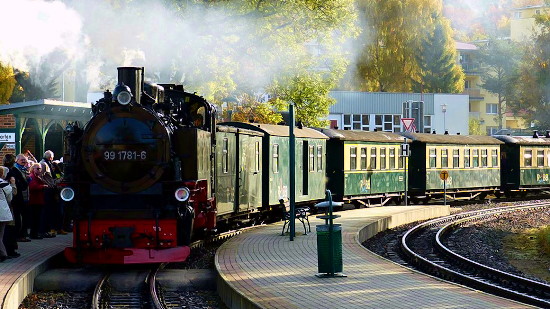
[(139, 174)]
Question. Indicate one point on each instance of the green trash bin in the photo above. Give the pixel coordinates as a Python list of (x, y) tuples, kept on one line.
[(323, 249)]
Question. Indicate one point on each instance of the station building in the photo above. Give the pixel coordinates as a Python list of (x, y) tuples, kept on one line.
[(37, 126)]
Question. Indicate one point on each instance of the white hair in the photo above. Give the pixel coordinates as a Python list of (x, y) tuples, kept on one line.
[(48, 154)]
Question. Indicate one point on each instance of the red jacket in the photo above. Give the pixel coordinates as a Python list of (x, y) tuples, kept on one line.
[(36, 194)]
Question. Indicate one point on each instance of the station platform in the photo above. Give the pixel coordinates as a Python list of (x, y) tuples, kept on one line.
[(17, 275), (262, 269)]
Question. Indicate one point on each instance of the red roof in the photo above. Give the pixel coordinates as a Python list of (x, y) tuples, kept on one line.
[(465, 46)]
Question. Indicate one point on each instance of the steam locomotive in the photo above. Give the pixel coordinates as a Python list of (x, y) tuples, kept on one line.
[(139, 173)]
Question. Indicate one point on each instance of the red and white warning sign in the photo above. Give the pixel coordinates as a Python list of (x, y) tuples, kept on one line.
[(408, 124)]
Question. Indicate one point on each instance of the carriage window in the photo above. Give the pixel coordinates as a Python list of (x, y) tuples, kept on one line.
[(275, 158), (466, 157), (257, 156), (372, 158), (548, 157), (353, 158), (311, 151), (444, 158), (540, 158), (494, 155), (225, 156), (484, 157), (476, 158), (528, 157), (319, 158), (400, 161), (456, 158), (383, 158), (363, 158), (433, 157), (392, 158)]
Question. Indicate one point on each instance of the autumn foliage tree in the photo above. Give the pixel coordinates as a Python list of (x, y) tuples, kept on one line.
[(7, 82)]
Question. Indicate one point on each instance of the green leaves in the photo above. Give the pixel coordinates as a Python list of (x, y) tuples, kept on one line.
[(7, 82)]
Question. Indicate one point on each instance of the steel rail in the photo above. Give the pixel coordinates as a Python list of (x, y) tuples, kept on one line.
[(446, 273)]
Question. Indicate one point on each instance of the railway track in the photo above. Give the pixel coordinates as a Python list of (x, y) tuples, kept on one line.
[(140, 288), (423, 246)]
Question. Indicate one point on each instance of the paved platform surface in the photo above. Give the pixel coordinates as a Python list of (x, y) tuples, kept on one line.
[(17, 275), (262, 269)]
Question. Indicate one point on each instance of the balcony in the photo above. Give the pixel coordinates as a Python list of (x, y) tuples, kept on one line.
[(474, 93), (474, 115), (470, 68)]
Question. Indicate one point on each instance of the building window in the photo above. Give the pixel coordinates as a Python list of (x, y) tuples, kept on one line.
[(356, 122), (373, 158), (494, 155), (382, 158), (466, 84), (364, 158), (353, 158), (466, 157), (540, 158), (320, 158), (433, 157), (392, 158), (444, 158), (527, 157), (517, 15), (225, 156), (456, 158), (491, 108), (484, 157), (275, 158), (387, 123), (427, 124)]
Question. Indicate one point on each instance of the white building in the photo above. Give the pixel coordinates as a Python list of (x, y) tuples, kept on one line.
[(383, 111)]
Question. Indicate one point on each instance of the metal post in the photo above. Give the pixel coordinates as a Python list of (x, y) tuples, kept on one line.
[(444, 111), (292, 168), (406, 177), (445, 192), (330, 231)]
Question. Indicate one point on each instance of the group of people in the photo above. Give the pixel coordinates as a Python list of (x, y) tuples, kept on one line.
[(29, 201)]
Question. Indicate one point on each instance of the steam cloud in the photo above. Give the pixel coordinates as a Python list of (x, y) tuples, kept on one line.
[(96, 37)]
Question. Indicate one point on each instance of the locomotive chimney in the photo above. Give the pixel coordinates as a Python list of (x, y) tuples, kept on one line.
[(133, 78)]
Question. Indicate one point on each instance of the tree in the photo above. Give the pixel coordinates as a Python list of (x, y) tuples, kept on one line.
[(533, 101), (393, 42), (438, 71), (499, 64), (7, 82), (474, 127), (251, 110)]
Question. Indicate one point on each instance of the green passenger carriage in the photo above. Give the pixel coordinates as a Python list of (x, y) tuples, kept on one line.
[(309, 162), (525, 163), (472, 163), (365, 167), (238, 170)]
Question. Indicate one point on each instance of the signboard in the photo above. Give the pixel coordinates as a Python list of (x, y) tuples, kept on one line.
[(444, 175), (405, 151), (408, 124), (10, 146), (7, 137)]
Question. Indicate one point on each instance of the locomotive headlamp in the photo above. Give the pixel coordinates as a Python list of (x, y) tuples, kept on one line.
[(67, 194), (182, 194), (123, 94)]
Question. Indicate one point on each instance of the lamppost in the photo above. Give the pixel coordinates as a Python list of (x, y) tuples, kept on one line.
[(444, 111)]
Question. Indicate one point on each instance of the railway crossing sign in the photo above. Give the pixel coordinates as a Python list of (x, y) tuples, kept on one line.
[(444, 175), (408, 124)]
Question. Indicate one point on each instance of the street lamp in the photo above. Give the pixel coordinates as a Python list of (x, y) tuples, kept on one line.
[(444, 111)]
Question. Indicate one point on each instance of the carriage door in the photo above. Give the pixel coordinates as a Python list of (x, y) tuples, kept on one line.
[(248, 179)]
